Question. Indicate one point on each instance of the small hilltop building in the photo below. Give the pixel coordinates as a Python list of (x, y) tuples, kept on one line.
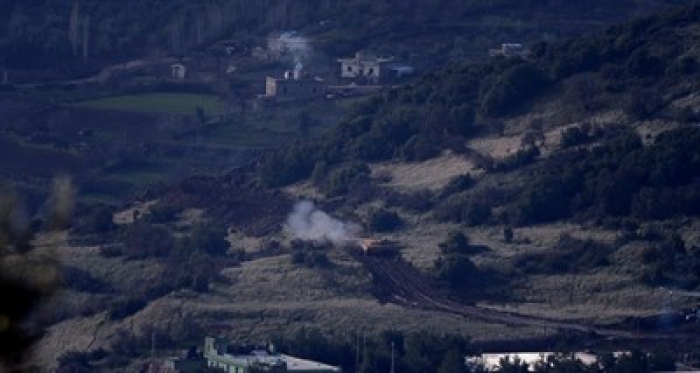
[(364, 66), (368, 68)]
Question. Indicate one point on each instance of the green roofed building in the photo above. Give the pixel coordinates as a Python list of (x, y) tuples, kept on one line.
[(218, 356)]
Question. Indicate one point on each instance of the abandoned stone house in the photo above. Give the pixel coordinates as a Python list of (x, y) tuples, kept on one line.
[(364, 66), (294, 86)]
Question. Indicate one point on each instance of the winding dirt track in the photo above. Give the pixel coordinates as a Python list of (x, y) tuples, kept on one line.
[(406, 286)]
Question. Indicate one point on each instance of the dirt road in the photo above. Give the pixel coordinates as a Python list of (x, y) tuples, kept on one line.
[(401, 283)]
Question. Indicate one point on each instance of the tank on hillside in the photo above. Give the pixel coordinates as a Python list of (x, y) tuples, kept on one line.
[(380, 247)]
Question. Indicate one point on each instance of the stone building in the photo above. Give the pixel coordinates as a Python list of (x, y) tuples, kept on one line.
[(294, 86), (365, 67), (219, 356)]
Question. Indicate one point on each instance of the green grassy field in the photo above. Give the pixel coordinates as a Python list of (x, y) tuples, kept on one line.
[(168, 103)]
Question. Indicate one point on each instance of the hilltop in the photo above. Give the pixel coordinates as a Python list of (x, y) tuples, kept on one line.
[(558, 190)]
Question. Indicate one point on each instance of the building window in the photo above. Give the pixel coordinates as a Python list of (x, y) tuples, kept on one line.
[(349, 68), (370, 72)]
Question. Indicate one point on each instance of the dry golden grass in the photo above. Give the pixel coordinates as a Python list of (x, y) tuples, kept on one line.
[(600, 297), (127, 216), (303, 190), (432, 174)]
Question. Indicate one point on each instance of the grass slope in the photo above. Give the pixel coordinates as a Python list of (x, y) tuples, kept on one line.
[(168, 103)]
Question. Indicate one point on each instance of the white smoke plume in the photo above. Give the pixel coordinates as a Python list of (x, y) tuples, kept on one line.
[(309, 223), (296, 45)]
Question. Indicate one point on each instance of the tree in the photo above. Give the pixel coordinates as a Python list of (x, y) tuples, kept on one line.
[(508, 234), (210, 240), (456, 243), (142, 239), (516, 365), (383, 220), (452, 362), (74, 27), (458, 272)]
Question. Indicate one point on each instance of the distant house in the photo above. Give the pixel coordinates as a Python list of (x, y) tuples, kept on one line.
[(365, 67), (510, 50), (294, 86), (219, 355), (178, 71)]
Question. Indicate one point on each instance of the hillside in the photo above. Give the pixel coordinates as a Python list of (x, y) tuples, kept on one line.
[(541, 202), (52, 38)]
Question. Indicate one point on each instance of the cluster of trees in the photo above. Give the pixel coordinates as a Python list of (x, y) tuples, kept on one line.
[(456, 270), (635, 361), (442, 109), (621, 178), (414, 352), (64, 34), (645, 48), (569, 255), (427, 352), (311, 254)]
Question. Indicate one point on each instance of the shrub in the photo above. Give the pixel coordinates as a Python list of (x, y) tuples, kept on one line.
[(569, 255), (475, 213), (458, 184), (143, 239), (419, 148), (384, 221), (522, 157), (81, 280), (573, 136), (97, 219), (125, 308), (311, 258), (208, 239), (340, 180), (459, 273), (515, 86), (163, 213)]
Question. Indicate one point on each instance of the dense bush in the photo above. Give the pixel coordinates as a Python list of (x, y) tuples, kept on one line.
[(340, 180), (206, 238), (125, 308), (514, 87), (143, 239), (382, 220), (81, 280), (162, 213), (458, 184), (414, 352), (574, 136), (620, 178), (521, 158), (569, 255), (97, 219), (311, 258), (670, 263)]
